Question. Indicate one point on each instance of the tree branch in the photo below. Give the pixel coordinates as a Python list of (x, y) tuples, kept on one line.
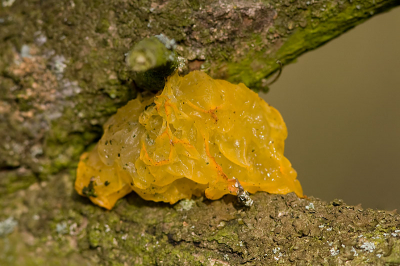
[(57, 226), (63, 72)]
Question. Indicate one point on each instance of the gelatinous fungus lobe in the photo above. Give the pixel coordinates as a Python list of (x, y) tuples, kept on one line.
[(195, 137)]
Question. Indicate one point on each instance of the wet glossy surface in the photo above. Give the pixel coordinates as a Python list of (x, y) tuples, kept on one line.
[(197, 136)]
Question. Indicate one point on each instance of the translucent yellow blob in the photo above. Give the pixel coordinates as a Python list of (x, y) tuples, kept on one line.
[(197, 136)]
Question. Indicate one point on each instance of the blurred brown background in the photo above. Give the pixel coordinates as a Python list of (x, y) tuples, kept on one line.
[(341, 104)]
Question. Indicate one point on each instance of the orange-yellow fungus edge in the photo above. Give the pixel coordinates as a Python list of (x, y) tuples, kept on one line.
[(195, 137)]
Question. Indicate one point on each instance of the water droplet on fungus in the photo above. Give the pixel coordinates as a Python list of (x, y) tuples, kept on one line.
[(179, 150)]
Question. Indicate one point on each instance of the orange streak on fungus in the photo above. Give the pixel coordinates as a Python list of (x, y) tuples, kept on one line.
[(220, 171), (210, 111), (152, 162)]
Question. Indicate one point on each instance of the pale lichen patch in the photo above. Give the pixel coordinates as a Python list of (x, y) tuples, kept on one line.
[(186, 204), (7, 226)]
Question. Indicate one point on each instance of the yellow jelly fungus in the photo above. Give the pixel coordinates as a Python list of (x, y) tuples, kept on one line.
[(196, 136)]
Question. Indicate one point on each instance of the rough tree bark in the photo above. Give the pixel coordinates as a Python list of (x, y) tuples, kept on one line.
[(63, 73)]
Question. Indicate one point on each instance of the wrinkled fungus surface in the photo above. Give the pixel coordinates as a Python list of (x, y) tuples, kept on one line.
[(195, 137)]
